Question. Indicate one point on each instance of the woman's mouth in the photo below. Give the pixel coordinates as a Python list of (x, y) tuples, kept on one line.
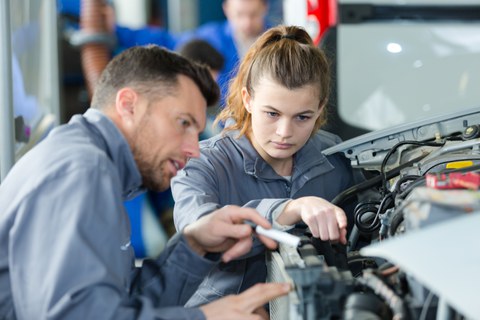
[(282, 146)]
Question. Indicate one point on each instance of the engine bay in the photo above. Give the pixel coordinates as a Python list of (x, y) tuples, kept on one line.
[(409, 254)]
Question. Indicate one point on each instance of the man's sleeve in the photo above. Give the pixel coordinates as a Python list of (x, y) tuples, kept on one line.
[(174, 275), (71, 257)]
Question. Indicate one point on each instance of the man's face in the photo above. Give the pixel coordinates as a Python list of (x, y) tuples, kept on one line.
[(246, 17), (166, 134)]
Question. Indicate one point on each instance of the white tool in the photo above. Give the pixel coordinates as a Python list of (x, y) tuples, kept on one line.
[(277, 235)]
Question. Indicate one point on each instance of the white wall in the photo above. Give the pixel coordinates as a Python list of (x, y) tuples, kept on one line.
[(132, 14)]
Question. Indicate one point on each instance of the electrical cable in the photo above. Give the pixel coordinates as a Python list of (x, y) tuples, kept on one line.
[(372, 182), (370, 207), (394, 149)]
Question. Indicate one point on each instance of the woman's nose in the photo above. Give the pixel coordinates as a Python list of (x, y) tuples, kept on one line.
[(284, 128)]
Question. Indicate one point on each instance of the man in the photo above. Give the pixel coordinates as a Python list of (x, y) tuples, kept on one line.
[(64, 236), (151, 213), (232, 38)]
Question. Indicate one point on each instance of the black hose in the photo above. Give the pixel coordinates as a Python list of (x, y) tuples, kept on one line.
[(395, 302)]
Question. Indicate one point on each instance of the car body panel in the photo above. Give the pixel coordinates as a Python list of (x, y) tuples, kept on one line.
[(401, 61), (402, 73)]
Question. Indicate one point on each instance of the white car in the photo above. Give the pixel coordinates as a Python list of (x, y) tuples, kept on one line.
[(413, 251), (406, 100), (394, 62)]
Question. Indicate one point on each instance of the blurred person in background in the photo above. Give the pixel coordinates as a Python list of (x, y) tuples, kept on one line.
[(246, 21), (201, 51)]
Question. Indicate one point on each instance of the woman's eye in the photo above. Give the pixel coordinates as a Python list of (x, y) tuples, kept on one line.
[(272, 114), (303, 118)]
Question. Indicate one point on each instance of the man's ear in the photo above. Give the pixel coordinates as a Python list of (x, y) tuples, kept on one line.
[(246, 99), (125, 103)]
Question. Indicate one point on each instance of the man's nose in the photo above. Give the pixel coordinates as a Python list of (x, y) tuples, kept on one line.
[(191, 147)]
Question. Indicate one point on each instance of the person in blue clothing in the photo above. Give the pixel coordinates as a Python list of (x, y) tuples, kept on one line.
[(246, 20), (65, 249), (269, 155), (201, 51), (125, 37)]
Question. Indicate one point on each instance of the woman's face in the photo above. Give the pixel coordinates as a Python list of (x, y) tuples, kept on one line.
[(282, 120)]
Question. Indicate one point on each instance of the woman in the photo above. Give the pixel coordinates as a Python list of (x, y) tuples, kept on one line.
[(268, 157)]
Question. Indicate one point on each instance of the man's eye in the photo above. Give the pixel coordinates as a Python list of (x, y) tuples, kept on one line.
[(184, 123)]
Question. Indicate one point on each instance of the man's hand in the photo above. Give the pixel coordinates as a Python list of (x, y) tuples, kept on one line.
[(247, 305), (325, 220), (224, 231)]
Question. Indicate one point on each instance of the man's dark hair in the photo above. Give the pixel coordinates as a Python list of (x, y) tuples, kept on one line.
[(201, 51), (151, 70)]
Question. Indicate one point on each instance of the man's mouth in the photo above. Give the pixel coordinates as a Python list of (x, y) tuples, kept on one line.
[(176, 165)]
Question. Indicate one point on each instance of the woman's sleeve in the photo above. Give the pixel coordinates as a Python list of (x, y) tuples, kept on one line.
[(196, 191)]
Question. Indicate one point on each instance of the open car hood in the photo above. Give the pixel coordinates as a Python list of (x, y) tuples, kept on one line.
[(369, 150)]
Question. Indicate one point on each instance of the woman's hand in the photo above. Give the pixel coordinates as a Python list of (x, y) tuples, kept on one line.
[(325, 220)]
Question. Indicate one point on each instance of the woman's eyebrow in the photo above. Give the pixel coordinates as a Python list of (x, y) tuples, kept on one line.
[(308, 111)]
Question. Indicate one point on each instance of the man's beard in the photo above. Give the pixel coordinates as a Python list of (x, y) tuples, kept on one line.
[(152, 179), (152, 176)]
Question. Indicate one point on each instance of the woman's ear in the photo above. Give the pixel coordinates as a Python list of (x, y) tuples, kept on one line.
[(246, 99), (320, 112)]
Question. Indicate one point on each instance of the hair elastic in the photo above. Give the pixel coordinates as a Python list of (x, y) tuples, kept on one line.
[(287, 36)]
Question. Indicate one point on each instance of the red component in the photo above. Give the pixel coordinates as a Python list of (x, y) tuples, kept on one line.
[(321, 15), (453, 180)]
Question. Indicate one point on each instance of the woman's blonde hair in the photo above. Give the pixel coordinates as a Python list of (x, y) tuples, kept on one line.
[(287, 55)]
